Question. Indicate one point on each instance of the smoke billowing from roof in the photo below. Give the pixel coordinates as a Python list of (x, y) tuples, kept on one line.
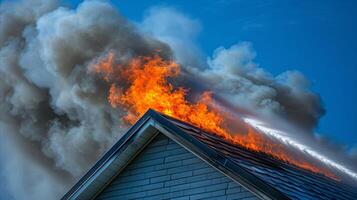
[(49, 101), (54, 116)]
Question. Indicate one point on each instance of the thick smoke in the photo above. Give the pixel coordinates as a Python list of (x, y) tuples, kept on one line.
[(285, 100), (56, 113), (232, 74), (54, 117)]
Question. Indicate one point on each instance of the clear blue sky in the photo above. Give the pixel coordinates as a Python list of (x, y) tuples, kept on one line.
[(316, 37)]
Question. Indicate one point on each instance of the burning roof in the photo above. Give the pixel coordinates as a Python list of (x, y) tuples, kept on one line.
[(142, 83), (61, 106), (260, 173)]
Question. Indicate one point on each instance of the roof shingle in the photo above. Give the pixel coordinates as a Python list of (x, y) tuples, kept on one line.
[(291, 181), (266, 176)]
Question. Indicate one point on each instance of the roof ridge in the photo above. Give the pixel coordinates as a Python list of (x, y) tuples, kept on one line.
[(238, 168)]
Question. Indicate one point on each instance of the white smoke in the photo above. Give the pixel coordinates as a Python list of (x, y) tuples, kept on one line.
[(23, 169), (54, 117), (232, 73), (176, 29), (49, 100)]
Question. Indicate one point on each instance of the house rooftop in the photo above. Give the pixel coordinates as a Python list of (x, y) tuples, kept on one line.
[(263, 175)]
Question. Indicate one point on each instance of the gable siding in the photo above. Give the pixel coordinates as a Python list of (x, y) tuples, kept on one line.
[(165, 170)]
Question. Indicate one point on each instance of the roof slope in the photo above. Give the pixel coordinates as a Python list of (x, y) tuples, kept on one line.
[(293, 182), (268, 178)]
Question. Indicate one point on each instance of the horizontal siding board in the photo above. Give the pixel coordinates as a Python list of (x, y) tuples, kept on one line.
[(181, 198), (208, 195), (131, 184), (204, 170), (127, 191), (233, 190), (165, 170), (148, 163), (200, 178), (160, 179)]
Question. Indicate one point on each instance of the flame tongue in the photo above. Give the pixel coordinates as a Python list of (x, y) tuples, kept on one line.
[(142, 84), (148, 87)]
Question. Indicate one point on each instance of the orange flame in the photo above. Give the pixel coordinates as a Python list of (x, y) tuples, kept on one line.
[(142, 84)]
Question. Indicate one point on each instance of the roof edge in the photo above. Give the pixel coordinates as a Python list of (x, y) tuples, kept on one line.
[(105, 157), (210, 156), (217, 160)]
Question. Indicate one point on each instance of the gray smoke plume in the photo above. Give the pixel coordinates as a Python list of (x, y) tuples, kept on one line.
[(232, 74), (55, 120), (55, 116), (285, 100)]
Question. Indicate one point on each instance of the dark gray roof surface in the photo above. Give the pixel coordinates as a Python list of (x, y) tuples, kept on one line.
[(275, 178), (291, 181)]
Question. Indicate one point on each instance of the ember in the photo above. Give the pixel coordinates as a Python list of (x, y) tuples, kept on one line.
[(142, 84)]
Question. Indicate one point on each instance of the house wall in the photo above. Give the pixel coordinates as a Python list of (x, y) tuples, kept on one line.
[(165, 170)]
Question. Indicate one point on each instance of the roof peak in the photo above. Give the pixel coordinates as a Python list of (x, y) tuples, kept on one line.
[(269, 180)]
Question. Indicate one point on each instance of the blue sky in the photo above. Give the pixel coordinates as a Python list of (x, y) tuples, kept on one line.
[(317, 38)]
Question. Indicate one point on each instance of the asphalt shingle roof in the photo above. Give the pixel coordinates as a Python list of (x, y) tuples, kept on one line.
[(291, 181), (269, 177)]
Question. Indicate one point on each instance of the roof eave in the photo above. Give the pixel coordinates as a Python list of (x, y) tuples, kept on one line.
[(141, 133)]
